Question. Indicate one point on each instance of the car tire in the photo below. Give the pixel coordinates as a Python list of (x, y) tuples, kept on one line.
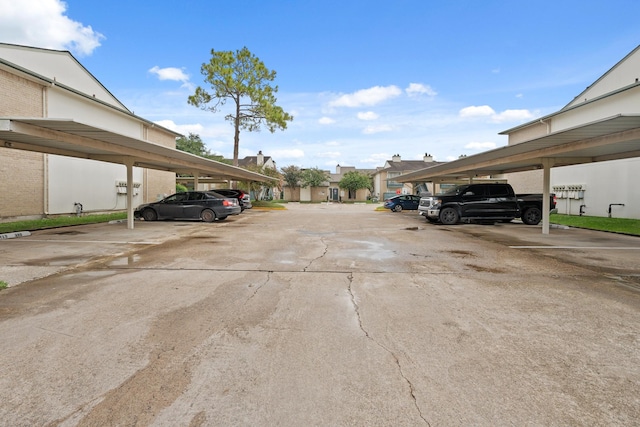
[(397, 208), (449, 216), (532, 216), (149, 215), (208, 215)]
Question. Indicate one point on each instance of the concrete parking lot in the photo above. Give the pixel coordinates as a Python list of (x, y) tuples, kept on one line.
[(328, 314)]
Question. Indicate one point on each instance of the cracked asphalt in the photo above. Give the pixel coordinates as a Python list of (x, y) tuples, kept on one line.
[(319, 315)]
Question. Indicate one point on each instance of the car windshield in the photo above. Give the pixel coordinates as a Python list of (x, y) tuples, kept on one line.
[(214, 195)]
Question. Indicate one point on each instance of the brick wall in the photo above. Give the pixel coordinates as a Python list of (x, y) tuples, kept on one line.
[(21, 194), (19, 96), (161, 137), (158, 184)]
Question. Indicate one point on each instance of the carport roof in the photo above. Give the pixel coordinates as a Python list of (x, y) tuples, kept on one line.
[(67, 137), (616, 137)]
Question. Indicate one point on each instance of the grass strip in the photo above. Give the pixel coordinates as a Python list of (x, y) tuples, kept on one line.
[(60, 221), (614, 225)]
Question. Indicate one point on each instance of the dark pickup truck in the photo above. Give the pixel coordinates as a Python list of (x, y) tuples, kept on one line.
[(483, 202)]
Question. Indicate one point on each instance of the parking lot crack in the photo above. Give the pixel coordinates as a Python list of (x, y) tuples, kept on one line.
[(356, 308), (324, 252), (260, 286)]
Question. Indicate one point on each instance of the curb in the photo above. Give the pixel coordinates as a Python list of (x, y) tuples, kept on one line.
[(14, 235)]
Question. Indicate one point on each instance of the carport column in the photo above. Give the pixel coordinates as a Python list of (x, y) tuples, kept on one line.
[(129, 164), (195, 181), (547, 164)]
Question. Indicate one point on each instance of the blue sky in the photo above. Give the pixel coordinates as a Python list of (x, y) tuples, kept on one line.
[(363, 79)]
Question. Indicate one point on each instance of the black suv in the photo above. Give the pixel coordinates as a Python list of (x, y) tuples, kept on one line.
[(243, 198)]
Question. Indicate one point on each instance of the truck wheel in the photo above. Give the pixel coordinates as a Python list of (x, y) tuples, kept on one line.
[(532, 216), (449, 216), (149, 215)]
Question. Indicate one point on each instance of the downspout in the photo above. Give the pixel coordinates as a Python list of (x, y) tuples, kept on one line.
[(45, 157), (548, 126), (45, 183)]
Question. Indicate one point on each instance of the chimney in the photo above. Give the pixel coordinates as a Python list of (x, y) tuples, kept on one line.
[(428, 158), (396, 158), (338, 169), (260, 160)]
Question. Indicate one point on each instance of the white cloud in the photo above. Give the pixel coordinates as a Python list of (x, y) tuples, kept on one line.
[(368, 115), (369, 130), (416, 89), (366, 97), (287, 154), (170, 73), (377, 158), (43, 23), (477, 111), (330, 154), (173, 74), (484, 111), (481, 146), (326, 120), (513, 116), (183, 129)]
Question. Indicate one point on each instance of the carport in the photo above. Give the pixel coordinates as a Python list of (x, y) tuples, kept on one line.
[(612, 138), (66, 137)]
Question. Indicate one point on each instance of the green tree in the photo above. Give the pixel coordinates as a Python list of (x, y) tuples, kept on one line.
[(260, 188), (313, 177), (193, 144), (242, 78), (292, 175), (354, 181)]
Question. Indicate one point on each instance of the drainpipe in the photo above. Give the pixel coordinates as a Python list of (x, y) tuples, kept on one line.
[(614, 204), (548, 126)]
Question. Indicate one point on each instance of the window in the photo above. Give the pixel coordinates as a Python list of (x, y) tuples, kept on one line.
[(498, 191), (390, 182)]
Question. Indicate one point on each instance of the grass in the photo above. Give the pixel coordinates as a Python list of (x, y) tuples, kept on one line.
[(3, 285), (615, 225), (61, 221), (267, 204)]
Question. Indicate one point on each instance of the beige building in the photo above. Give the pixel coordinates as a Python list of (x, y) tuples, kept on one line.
[(385, 185), (596, 187), (37, 84)]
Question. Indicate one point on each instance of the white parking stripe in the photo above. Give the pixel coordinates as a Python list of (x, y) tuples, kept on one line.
[(94, 241), (611, 248)]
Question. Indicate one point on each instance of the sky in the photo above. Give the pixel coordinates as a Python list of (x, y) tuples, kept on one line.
[(363, 79)]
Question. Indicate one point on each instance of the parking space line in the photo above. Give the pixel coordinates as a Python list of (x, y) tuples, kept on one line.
[(94, 241), (609, 248)]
